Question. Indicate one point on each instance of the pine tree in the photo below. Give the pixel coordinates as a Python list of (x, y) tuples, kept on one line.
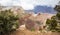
[(54, 23)]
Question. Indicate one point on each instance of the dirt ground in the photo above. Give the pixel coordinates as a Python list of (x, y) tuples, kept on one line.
[(24, 31)]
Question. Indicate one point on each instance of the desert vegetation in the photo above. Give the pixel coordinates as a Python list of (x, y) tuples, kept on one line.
[(8, 22), (54, 22), (18, 22)]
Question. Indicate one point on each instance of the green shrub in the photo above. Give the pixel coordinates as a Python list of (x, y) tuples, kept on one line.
[(32, 29), (58, 16), (54, 23), (8, 21)]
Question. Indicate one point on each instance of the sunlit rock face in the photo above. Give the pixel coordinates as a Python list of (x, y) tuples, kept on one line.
[(38, 21), (15, 9)]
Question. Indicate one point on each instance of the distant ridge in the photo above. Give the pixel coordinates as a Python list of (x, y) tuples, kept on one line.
[(44, 9)]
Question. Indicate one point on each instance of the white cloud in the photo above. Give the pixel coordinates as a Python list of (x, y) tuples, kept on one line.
[(28, 4), (5, 2), (46, 2)]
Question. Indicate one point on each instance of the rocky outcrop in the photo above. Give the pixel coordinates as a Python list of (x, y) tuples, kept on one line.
[(38, 21)]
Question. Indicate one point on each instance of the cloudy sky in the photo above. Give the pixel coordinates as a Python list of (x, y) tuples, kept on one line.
[(28, 4)]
